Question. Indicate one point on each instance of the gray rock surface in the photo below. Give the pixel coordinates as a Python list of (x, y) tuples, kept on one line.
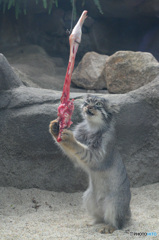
[(138, 132), (126, 71), (28, 155), (124, 25), (30, 158), (124, 9), (8, 79), (36, 68), (88, 72)]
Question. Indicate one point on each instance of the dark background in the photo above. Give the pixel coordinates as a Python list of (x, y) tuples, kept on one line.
[(124, 25)]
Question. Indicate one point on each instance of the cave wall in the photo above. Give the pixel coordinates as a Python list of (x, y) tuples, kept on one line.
[(124, 25)]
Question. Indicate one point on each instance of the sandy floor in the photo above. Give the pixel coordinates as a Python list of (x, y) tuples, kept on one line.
[(36, 214)]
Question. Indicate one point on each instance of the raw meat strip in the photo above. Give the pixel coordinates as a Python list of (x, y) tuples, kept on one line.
[(66, 107)]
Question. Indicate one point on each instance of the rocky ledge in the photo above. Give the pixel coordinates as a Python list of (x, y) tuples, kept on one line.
[(30, 158)]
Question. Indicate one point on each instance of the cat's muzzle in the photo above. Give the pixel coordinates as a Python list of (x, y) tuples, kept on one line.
[(89, 111)]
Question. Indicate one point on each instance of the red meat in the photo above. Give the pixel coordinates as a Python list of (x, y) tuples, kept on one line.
[(66, 107)]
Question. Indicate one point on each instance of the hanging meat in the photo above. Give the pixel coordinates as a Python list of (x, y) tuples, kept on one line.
[(66, 107)]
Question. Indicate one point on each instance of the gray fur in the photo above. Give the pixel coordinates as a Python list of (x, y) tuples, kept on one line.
[(108, 195)]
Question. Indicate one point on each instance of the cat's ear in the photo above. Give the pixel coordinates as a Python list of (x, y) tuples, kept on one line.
[(88, 95), (113, 108), (85, 100)]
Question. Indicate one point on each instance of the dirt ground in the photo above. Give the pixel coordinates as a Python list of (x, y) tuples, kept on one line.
[(35, 214)]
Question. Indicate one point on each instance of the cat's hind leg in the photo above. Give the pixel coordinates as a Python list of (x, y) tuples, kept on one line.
[(92, 207), (113, 215)]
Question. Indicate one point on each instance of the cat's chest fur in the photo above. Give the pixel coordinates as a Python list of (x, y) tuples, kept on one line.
[(87, 136)]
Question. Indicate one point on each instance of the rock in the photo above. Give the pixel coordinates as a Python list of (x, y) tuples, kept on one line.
[(8, 79), (24, 78), (102, 35), (110, 35), (33, 61), (150, 41), (138, 132), (126, 71), (88, 72), (123, 25), (36, 68), (123, 9), (30, 158)]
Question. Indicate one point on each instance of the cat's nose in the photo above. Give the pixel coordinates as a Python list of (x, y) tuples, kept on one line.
[(90, 107)]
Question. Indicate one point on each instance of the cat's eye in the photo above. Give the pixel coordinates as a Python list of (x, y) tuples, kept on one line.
[(99, 104)]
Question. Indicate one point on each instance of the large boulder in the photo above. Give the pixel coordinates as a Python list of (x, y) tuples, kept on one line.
[(88, 72), (126, 71), (30, 158)]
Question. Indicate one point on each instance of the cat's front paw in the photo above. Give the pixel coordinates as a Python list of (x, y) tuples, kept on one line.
[(67, 136), (54, 128)]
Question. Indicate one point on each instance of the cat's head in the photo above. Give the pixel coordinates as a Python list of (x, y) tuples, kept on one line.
[(98, 110)]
